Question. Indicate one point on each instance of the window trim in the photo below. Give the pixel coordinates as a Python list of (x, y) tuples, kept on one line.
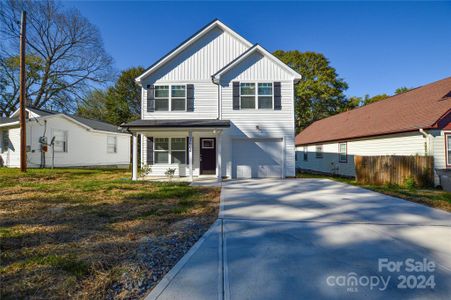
[(207, 139), (319, 154), (340, 154), (256, 95), (447, 157), (115, 144), (66, 140), (184, 150), (170, 98), (169, 151)]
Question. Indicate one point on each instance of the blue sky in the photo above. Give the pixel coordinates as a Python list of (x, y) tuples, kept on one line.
[(375, 46)]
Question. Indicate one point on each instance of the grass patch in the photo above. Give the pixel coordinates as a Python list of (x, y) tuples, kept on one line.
[(72, 232), (428, 196)]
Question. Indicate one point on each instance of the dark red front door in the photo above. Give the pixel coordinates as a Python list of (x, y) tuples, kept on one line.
[(207, 156)]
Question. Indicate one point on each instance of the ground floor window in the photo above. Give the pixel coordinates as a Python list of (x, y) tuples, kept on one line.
[(448, 149), (170, 150), (60, 143), (112, 144), (319, 151), (343, 152)]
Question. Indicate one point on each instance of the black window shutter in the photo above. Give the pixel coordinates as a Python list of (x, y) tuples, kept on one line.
[(236, 95), (150, 98), (190, 97), (150, 150), (277, 96)]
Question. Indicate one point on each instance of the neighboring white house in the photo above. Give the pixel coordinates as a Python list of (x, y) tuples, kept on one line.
[(416, 122), (217, 105), (78, 142)]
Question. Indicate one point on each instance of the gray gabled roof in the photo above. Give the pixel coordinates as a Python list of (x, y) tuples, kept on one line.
[(97, 125), (93, 124)]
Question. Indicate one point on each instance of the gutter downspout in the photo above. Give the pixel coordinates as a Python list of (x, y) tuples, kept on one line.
[(429, 144), (219, 97)]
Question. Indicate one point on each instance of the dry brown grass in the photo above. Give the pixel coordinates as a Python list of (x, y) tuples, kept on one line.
[(76, 233)]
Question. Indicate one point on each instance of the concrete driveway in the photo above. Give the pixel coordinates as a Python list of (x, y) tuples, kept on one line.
[(315, 239)]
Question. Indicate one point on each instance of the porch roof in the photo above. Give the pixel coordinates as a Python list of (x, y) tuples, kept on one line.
[(179, 123)]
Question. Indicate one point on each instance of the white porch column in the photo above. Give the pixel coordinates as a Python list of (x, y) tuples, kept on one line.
[(219, 156), (135, 157), (190, 154)]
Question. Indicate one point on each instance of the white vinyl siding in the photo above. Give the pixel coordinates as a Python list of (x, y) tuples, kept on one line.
[(396, 144), (86, 148)]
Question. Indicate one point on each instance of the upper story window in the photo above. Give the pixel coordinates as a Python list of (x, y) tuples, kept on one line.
[(170, 98), (319, 151), (343, 155), (265, 95), (247, 95), (111, 144), (178, 97), (256, 95), (60, 143), (161, 97)]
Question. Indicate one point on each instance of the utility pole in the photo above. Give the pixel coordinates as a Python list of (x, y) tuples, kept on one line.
[(23, 132)]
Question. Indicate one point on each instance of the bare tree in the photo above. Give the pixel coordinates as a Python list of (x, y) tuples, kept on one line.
[(65, 55)]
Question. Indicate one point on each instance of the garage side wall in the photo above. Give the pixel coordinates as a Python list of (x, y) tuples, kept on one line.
[(259, 123)]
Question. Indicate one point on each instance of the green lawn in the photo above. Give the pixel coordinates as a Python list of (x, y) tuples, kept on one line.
[(427, 196), (74, 233)]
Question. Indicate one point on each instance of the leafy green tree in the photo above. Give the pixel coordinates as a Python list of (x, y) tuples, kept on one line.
[(94, 106), (67, 53), (119, 103), (123, 101), (369, 100), (401, 90), (320, 93)]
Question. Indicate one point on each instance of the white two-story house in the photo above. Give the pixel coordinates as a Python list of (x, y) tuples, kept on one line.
[(217, 105)]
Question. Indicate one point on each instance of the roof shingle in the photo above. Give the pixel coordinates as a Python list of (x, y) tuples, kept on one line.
[(418, 108)]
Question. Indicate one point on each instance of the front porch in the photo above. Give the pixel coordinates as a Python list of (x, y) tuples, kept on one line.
[(190, 149)]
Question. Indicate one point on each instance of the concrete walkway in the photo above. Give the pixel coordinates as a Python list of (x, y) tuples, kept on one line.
[(314, 239)]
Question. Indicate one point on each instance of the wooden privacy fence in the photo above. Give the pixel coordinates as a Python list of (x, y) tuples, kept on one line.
[(394, 169)]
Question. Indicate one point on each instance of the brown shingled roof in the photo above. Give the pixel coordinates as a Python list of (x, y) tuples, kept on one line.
[(421, 107)]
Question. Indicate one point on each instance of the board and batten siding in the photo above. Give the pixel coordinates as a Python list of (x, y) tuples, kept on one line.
[(195, 65), (412, 143)]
